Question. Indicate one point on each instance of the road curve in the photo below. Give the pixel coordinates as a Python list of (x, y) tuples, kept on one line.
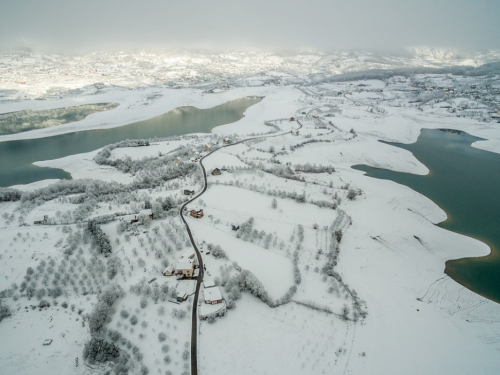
[(199, 280)]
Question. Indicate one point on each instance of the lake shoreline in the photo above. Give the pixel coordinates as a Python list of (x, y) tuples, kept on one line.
[(464, 270), (22, 154)]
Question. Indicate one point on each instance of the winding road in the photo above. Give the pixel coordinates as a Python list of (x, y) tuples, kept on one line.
[(199, 280)]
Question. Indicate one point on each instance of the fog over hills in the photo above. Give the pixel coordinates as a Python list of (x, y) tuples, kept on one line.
[(361, 24)]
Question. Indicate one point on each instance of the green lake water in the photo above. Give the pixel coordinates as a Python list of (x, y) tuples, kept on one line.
[(465, 183), (16, 157)]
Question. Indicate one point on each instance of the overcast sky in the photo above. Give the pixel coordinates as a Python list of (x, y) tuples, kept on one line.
[(234, 24)]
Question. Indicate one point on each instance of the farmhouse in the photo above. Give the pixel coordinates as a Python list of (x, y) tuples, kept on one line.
[(196, 213), (212, 295), (216, 172), (185, 267), (40, 219)]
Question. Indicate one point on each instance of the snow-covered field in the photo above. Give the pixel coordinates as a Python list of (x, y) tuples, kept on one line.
[(322, 269)]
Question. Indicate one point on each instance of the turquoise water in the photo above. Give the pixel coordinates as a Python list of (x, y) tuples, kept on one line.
[(16, 157), (465, 183)]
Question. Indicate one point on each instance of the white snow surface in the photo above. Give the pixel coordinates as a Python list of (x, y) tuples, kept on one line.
[(419, 320)]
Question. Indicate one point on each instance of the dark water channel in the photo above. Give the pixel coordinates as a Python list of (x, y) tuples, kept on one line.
[(16, 157), (465, 183)]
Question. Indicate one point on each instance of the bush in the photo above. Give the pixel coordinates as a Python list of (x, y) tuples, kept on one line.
[(4, 311), (133, 320), (162, 336), (352, 194), (114, 335), (98, 350), (98, 318), (144, 303), (181, 314), (9, 195), (165, 348), (218, 252), (124, 314), (338, 235), (99, 238)]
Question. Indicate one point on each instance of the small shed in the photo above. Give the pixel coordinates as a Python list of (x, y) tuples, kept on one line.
[(181, 297), (169, 271), (212, 295), (226, 141), (188, 192), (40, 219), (295, 132), (208, 282), (292, 118), (196, 213), (216, 172), (193, 159)]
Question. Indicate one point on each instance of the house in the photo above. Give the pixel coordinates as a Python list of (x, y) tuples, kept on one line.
[(212, 295), (177, 159), (295, 132), (226, 141), (207, 147), (196, 213), (169, 271), (497, 115), (235, 227), (147, 213), (185, 267), (216, 172), (134, 218), (40, 219), (193, 159), (188, 192)]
